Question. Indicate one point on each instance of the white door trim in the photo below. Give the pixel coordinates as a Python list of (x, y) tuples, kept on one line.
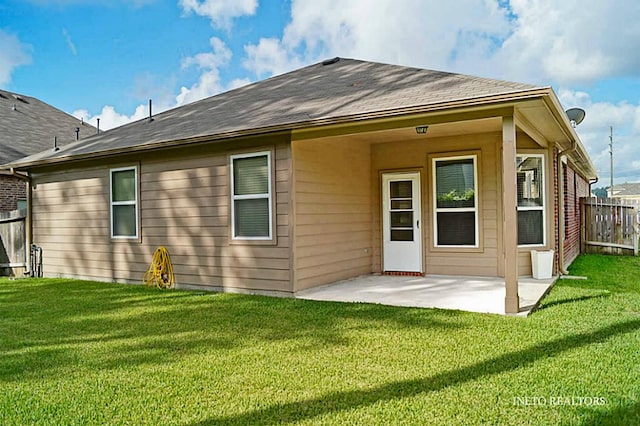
[(401, 242)]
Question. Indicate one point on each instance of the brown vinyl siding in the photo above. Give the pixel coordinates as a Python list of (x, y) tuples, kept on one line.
[(184, 205), (71, 223), (332, 204), (416, 155)]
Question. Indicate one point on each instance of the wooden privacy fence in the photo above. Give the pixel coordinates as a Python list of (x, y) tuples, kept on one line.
[(609, 225), (12, 241)]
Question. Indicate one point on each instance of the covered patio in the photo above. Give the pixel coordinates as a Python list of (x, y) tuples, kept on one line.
[(474, 294)]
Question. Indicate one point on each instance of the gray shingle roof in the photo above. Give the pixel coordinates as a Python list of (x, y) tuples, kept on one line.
[(28, 126), (317, 93), (627, 189)]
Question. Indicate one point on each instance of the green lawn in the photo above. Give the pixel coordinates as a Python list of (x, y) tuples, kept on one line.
[(77, 352)]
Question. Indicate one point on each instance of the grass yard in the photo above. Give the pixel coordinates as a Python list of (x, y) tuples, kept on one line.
[(77, 352)]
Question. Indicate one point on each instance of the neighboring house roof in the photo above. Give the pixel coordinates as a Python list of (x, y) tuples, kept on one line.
[(626, 190), (332, 92), (28, 126)]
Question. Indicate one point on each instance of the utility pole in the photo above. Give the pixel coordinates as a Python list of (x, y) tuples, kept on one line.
[(611, 154)]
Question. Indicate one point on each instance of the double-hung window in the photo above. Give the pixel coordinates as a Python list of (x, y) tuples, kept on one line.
[(251, 213), (531, 217), (124, 202), (456, 201)]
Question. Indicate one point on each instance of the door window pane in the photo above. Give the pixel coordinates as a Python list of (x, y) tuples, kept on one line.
[(402, 235), (401, 189), (402, 219), (401, 204), (401, 211)]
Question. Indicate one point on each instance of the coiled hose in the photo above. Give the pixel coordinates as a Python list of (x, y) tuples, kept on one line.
[(160, 273)]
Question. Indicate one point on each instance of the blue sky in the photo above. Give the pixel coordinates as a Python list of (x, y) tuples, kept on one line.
[(106, 58)]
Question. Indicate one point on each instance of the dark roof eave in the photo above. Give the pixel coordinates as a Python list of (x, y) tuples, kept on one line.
[(488, 101)]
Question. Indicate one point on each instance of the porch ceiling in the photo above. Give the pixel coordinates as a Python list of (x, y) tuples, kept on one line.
[(533, 118), (485, 125)]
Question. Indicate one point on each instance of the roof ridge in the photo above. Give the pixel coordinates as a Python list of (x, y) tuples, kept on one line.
[(13, 94), (451, 73), (323, 92)]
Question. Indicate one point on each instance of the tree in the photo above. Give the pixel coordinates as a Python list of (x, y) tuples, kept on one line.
[(600, 192)]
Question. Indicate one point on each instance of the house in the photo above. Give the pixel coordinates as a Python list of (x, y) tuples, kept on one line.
[(625, 191), (29, 126), (331, 171)]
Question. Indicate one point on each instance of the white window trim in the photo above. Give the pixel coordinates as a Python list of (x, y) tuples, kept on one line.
[(474, 209), (543, 198), (124, 203), (267, 196)]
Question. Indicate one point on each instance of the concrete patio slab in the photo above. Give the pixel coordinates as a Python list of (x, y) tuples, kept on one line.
[(475, 294)]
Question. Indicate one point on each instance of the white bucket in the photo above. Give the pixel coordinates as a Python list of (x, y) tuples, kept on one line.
[(542, 264)]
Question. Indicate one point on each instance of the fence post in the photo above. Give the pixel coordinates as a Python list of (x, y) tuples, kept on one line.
[(635, 230), (12, 235)]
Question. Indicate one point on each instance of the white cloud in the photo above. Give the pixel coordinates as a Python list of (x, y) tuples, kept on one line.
[(573, 41), (539, 41), (238, 82), (13, 54), (209, 82), (221, 12), (569, 42), (595, 131), (408, 32), (270, 57), (110, 118), (147, 85), (70, 43), (207, 85), (220, 55)]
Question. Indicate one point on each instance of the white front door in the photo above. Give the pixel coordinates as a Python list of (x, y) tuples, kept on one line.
[(402, 239)]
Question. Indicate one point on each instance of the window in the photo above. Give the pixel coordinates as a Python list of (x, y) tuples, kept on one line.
[(21, 204), (456, 201), (251, 214), (124, 202), (531, 217)]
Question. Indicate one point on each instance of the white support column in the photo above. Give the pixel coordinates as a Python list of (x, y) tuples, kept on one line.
[(510, 215)]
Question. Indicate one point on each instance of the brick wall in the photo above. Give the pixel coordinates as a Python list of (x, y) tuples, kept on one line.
[(575, 187), (555, 211), (11, 190)]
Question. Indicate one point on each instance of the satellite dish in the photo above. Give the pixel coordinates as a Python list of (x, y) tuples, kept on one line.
[(576, 115)]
